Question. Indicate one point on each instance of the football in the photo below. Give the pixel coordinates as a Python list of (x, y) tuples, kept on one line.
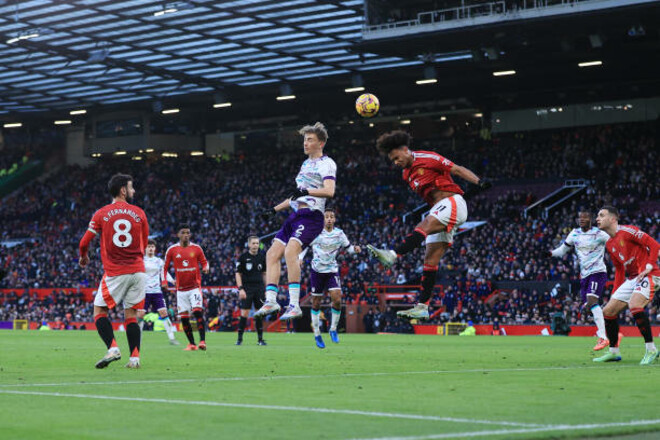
[(367, 105)]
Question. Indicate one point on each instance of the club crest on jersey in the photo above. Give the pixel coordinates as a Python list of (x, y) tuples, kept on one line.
[(420, 171), (192, 254), (185, 263), (621, 243), (248, 266)]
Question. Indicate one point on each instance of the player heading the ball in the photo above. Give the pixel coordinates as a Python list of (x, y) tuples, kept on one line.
[(429, 175)]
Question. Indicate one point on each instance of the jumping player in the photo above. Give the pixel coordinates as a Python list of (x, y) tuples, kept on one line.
[(154, 299), (315, 183), (124, 232), (589, 244), (429, 175), (325, 274), (634, 255), (187, 258)]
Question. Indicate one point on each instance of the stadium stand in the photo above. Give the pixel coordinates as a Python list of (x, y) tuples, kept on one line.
[(211, 194)]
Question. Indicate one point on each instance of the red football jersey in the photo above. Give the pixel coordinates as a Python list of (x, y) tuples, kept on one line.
[(187, 261), (124, 233), (631, 249), (430, 171)]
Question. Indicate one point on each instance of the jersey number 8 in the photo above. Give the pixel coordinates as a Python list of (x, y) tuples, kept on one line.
[(122, 237)]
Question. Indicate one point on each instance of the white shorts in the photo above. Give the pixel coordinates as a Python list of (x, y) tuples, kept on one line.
[(187, 300), (452, 212), (127, 289), (646, 287)]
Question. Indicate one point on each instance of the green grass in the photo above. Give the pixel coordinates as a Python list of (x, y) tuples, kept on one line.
[(493, 380)]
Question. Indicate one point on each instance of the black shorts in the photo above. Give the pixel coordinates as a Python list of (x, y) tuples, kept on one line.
[(253, 296)]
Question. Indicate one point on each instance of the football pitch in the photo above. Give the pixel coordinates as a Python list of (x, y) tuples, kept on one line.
[(366, 387)]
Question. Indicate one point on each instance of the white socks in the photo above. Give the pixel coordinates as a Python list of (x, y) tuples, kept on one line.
[(597, 312), (294, 294), (336, 314), (650, 346), (316, 322), (168, 328)]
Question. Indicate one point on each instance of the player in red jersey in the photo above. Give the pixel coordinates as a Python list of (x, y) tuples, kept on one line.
[(634, 255), (187, 258), (429, 175), (124, 233)]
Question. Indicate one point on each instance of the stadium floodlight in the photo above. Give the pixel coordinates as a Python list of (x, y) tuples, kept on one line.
[(136, 158), (120, 153), (149, 150), (171, 8), (78, 112), (371, 124), (443, 118), (220, 100), (13, 125), (357, 84), (63, 122), (96, 154), (504, 73), (197, 153), (165, 11), (405, 122), (169, 111), (478, 115), (286, 93), (430, 76), (590, 63)]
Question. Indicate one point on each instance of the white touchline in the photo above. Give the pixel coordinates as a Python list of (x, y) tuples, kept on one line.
[(274, 407), (520, 431), (313, 376)]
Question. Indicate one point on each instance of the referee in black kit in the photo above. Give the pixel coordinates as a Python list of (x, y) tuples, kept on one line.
[(251, 279)]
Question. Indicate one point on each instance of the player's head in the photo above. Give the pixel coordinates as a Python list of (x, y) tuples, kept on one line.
[(608, 216), (253, 243), (314, 137), (151, 248), (584, 218), (121, 186), (183, 232), (330, 218), (395, 145)]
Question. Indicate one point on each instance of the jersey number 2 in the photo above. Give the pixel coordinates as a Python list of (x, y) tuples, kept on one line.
[(122, 237)]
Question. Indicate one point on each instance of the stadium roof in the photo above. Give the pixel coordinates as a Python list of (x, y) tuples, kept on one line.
[(80, 53)]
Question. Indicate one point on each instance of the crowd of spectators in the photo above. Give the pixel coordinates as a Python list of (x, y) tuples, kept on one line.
[(220, 200)]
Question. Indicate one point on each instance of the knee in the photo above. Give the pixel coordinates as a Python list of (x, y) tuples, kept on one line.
[(291, 252)]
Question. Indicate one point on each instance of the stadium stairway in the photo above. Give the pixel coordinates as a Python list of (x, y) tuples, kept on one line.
[(555, 199)]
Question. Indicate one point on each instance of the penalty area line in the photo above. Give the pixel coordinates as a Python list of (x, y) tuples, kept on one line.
[(273, 408), (500, 432)]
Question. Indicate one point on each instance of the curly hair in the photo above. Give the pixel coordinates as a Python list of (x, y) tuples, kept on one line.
[(393, 140)]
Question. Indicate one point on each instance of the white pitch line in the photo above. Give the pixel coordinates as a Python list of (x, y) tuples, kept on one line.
[(311, 376), (548, 428), (276, 408)]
